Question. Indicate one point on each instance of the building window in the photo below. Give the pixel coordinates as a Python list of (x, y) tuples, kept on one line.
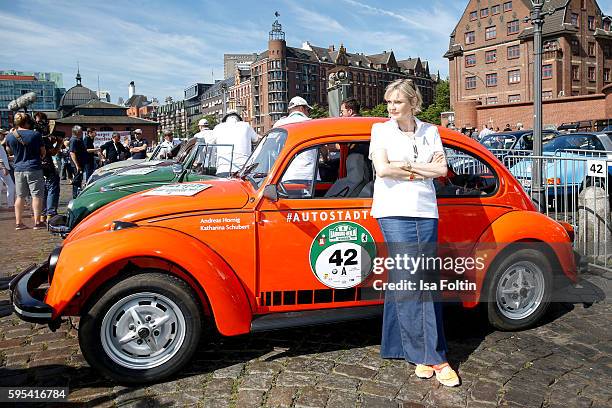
[(591, 47), (575, 72), (606, 25), (575, 47), (547, 95), (591, 73), (473, 15), (490, 33), (513, 27), (470, 82), (470, 60), (514, 98), (491, 56), (514, 76), (514, 51), (591, 21), (492, 79), (574, 19), (607, 50), (491, 100), (508, 6), (484, 13), (547, 71), (470, 37), (495, 9), (606, 75)]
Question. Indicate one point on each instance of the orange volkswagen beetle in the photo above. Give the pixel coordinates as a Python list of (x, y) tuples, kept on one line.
[(284, 243)]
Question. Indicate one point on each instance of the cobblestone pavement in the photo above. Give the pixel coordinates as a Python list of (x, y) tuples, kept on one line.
[(565, 362)]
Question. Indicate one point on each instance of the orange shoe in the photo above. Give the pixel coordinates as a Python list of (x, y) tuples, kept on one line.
[(424, 371), (446, 375)]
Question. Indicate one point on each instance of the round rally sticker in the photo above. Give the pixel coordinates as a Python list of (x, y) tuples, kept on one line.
[(341, 255)]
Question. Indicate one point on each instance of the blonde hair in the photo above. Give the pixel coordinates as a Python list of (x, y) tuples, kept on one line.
[(407, 89), (22, 120)]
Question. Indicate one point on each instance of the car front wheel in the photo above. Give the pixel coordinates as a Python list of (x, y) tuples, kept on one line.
[(519, 290), (141, 329)]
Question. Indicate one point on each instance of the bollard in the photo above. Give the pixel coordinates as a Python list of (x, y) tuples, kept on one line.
[(594, 236)]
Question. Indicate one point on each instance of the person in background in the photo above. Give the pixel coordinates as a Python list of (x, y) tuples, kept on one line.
[(350, 107), (5, 174), (51, 175), (299, 110), (27, 147), (64, 154), (302, 166), (113, 150), (78, 155), (138, 146), (235, 132), (205, 132), (166, 146), (90, 164), (407, 156), (507, 128), (519, 126)]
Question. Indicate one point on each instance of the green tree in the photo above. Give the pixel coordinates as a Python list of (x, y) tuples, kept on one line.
[(193, 129), (379, 110), (318, 112), (441, 104)]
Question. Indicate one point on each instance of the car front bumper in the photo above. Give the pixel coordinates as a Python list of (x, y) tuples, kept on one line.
[(27, 295)]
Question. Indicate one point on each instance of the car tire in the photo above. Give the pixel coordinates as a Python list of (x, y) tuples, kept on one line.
[(142, 328), (518, 288)]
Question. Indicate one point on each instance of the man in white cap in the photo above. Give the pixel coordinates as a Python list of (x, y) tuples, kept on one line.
[(138, 147), (298, 112), (205, 132), (236, 133), (302, 167)]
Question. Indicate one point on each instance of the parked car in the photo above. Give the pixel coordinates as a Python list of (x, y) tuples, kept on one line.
[(515, 142), (565, 173), (152, 160), (130, 180), (583, 126), (263, 251)]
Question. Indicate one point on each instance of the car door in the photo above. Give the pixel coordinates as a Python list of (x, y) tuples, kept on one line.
[(317, 242)]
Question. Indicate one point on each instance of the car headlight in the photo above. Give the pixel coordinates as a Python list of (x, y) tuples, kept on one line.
[(70, 204), (104, 189)]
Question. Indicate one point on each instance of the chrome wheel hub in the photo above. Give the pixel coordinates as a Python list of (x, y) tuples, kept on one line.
[(142, 331), (520, 290)]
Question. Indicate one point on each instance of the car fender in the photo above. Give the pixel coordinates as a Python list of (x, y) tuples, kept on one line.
[(88, 260), (514, 227)]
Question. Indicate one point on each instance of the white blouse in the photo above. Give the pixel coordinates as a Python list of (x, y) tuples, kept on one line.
[(405, 198)]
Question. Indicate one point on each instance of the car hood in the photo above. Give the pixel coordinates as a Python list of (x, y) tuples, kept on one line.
[(160, 172), (219, 194)]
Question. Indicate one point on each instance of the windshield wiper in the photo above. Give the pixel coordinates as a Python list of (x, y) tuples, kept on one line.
[(246, 170)]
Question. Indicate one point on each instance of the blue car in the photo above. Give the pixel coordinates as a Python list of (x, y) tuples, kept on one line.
[(564, 168)]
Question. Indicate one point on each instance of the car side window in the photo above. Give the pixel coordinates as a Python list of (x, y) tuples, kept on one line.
[(333, 170), (467, 176)]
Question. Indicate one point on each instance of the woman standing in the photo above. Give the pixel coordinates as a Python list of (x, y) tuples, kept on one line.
[(407, 156)]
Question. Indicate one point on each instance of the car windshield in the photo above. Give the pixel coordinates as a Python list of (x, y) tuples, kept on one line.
[(569, 142), (498, 141), (155, 152), (258, 166)]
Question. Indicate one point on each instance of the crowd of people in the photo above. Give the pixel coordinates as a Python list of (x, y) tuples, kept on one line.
[(34, 158), (489, 129)]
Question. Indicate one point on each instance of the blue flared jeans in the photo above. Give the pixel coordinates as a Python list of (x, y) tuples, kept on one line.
[(412, 319)]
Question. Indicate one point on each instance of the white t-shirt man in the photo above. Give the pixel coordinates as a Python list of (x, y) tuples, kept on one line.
[(404, 198), (165, 148), (302, 166), (239, 134)]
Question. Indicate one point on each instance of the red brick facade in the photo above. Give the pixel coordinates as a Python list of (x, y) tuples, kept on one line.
[(491, 60), (561, 110)]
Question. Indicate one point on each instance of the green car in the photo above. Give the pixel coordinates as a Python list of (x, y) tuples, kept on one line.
[(190, 165)]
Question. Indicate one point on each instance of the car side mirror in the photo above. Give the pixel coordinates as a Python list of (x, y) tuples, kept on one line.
[(177, 168), (270, 192)]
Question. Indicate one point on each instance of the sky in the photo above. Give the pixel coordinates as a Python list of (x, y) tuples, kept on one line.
[(165, 46)]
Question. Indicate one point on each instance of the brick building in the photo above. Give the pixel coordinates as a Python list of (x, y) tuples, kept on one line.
[(491, 57), (105, 116), (240, 97), (215, 97), (283, 72)]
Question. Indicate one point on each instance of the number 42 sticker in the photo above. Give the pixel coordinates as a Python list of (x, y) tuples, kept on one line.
[(597, 168), (341, 255)]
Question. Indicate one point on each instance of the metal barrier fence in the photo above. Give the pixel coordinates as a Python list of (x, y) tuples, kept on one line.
[(575, 189)]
